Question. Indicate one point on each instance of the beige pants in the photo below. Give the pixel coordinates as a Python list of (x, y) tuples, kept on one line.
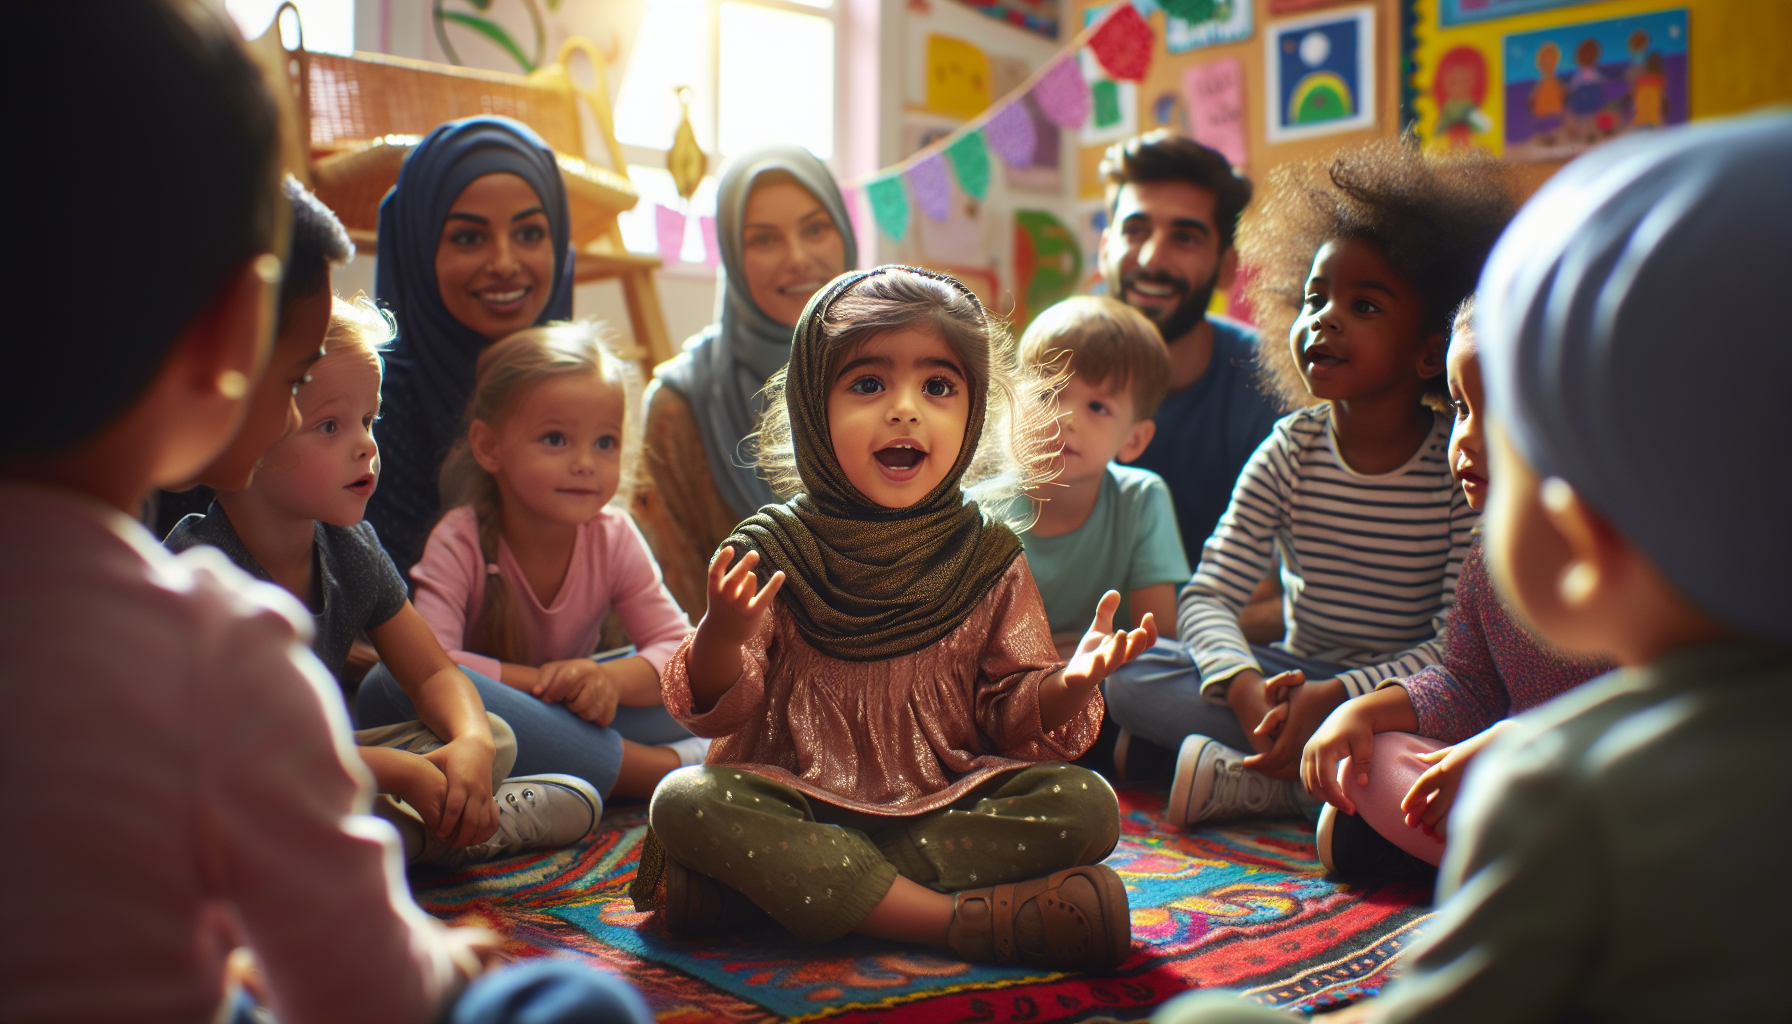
[(420, 847)]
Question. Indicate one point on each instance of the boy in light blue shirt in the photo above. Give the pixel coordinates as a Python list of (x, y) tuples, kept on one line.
[(1103, 526)]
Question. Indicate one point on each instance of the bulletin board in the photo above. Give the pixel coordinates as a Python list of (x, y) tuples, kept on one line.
[(1539, 82)]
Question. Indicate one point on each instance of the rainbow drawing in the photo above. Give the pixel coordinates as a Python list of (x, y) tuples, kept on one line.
[(1319, 97)]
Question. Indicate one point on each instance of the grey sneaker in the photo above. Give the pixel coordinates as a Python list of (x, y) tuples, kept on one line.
[(1212, 782), (536, 812)]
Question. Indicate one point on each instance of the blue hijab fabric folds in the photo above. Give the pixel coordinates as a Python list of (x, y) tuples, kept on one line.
[(429, 370), (723, 369), (1635, 341)]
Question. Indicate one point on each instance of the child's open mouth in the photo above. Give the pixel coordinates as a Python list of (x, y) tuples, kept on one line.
[(1320, 358), (362, 487), (901, 459)]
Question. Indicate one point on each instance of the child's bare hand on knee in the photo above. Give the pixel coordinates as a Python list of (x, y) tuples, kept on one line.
[(1347, 733), (1292, 722), (467, 812), (583, 686), (1427, 804)]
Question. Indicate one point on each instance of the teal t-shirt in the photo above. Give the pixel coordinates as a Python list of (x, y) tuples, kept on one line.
[(1130, 541)]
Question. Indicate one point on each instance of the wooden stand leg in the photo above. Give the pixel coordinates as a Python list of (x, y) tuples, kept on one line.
[(647, 316)]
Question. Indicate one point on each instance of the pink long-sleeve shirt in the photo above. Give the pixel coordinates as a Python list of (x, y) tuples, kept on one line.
[(610, 568), (196, 787)]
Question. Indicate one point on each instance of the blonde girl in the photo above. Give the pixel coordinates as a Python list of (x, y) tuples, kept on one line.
[(535, 551), (891, 720)]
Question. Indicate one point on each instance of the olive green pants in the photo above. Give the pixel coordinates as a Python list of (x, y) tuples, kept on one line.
[(819, 869)]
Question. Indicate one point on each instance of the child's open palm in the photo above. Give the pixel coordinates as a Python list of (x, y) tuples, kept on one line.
[(1103, 649)]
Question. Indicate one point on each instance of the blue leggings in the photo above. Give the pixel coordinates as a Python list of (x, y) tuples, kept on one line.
[(549, 738), (1157, 696), (534, 992)]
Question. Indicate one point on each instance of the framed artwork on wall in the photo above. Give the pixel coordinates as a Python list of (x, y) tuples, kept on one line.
[(1321, 73)]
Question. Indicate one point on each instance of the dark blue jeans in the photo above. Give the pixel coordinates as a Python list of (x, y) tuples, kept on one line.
[(1157, 696), (534, 992), (549, 738)]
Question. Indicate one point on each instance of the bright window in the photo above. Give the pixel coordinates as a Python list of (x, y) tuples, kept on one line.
[(328, 25), (760, 71), (776, 71)]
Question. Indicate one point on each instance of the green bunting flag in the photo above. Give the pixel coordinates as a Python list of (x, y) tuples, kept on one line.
[(970, 162), (889, 204)]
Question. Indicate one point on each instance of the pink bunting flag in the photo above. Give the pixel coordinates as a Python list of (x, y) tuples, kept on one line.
[(1063, 95), (670, 227), (932, 190), (1010, 133), (712, 246), (1123, 44)]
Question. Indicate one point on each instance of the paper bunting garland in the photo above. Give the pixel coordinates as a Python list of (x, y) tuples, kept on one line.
[(1010, 133), (669, 227), (1022, 128), (889, 204), (933, 192), (1123, 45), (970, 163), (1063, 94)]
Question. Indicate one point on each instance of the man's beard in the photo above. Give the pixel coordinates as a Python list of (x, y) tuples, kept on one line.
[(1181, 318)]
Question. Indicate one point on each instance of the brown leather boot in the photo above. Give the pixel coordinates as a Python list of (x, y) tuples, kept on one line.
[(698, 905), (1074, 920)]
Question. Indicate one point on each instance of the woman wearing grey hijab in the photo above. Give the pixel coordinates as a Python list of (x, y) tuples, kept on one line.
[(784, 232)]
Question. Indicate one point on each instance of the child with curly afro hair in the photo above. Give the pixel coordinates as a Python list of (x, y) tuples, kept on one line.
[(1358, 263)]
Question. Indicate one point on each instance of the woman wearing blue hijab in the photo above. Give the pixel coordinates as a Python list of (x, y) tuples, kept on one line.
[(784, 233), (474, 245)]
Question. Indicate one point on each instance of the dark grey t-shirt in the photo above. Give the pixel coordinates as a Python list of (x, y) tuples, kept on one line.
[(356, 585)]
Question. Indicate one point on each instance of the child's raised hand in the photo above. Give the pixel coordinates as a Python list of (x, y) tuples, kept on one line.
[(582, 685), (1427, 804), (736, 600), (1103, 649), (468, 814)]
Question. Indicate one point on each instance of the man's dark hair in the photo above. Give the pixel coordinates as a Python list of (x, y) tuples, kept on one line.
[(1164, 156), (319, 242), (144, 178)]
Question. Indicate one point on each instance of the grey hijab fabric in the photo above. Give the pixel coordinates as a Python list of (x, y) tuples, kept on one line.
[(723, 369)]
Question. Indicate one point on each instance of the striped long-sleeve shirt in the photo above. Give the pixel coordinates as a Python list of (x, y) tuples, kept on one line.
[(1369, 563)]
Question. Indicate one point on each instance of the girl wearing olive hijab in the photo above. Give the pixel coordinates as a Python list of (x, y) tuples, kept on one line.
[(891, 719), (474, 246), (784, 232)]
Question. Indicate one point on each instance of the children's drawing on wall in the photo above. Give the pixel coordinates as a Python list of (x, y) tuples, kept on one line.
[(1048, 264), (1216, 107), (958, 77), (1192, 24), (1321, 73), (1114, 105), (1460, 88), (1039, 16), (1168, 111), (1460, 12), (1571, 88)]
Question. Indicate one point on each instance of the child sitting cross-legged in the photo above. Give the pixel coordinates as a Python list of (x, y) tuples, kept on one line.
[(1409, 742), (1102, 526), (1358, 266), (1619, 853), (299, 524), (535, 550), (891, 720)]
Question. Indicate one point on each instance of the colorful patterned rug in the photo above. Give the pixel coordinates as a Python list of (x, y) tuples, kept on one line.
[(1244, 907)]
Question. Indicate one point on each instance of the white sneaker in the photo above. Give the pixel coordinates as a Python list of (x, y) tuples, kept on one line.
[(1212, 782), (536, 812)]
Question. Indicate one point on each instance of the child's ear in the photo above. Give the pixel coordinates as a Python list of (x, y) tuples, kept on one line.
[(482, 441), (1137, 440), (1431, 355)]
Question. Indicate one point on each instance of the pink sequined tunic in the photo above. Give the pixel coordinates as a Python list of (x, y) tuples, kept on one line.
[(897, 737)]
